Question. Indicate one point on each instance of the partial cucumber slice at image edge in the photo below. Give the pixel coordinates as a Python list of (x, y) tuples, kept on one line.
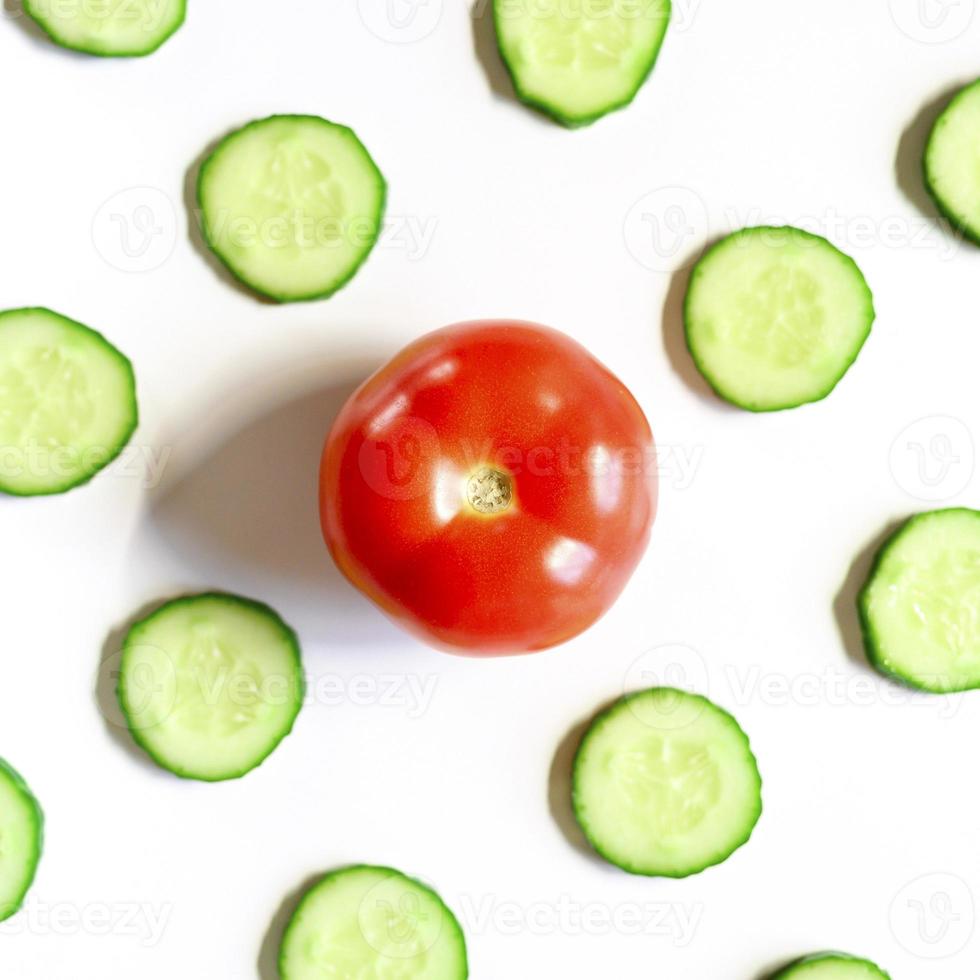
[(775, 316), (210, 684), (113, 29), (372, 921), (21, 840), (951, 164), (920, 607), (67, 402), (577, 62), (292, 205), (665, 784), (831, 966)]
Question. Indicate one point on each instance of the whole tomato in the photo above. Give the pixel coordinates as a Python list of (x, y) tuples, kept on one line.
[(492, 488)]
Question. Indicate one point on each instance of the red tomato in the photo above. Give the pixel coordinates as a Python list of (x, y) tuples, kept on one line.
[(492, 488)]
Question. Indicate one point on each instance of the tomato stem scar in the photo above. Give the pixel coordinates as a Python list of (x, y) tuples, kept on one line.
[(489, 491)]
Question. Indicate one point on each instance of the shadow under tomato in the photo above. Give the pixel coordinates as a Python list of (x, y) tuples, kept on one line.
[(247, 515), (846, 600)]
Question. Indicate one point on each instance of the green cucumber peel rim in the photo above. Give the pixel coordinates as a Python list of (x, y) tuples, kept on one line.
[(292, 205), (920, 606), (22, 836), (68, 404), (210, 684), (665, 784), (372, 921), (109, 28)]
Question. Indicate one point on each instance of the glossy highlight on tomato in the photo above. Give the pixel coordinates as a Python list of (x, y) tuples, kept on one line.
[(491, 488)]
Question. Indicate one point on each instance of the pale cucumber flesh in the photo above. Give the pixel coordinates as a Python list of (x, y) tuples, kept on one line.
[(113, 28), (775, 316), (292, 205), (67, 402), (952, 161), (579, 59), (665, 783), (921, 606), (21, 830), (210, 685), (371, 923)]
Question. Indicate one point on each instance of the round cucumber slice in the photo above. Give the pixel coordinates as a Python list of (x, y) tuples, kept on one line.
[(664, 783), (109, 28), (775, 316), (292, 205), (832, 966), (952, 162), (577, 60), (21, 840), (67, 402), (372, 922), (920, 608), (210, 684)]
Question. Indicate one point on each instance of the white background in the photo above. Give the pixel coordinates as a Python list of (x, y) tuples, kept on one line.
[(810, 112)]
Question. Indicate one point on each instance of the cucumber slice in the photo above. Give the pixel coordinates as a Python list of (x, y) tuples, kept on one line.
[(210, 684), (952, 162), (920, 608), (832, 966), (577, 60), (67, 402), (664, 783), (292, 205), (372, 922), (109, 28), (775, 316), (21, 840)]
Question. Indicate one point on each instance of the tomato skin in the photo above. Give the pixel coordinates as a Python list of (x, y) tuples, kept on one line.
[(505, 397)]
